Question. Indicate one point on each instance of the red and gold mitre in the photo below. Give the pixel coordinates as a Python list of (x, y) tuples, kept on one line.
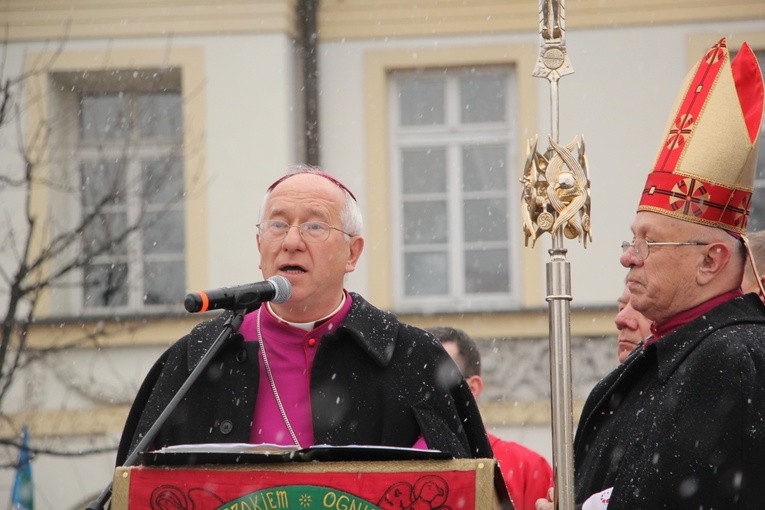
[(706, 165)]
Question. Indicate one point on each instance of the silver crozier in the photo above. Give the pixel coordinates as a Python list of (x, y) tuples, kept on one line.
[(556, 199)]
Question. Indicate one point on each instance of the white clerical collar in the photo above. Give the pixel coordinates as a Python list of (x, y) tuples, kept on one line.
[(307, 326)]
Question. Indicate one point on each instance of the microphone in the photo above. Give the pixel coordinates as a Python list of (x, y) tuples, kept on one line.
[(276, 289)]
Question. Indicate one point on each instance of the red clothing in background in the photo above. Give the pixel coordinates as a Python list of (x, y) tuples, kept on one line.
[(527, 474)]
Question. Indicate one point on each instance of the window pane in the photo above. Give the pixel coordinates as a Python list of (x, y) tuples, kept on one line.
[(106, 285), (483, 99), (104, 116), (105, 235), (483, 167), (424, 170), (486, 271), (164, 282), (425, 222), (162, 181), (485, 220), (422, 102), (163, 233), (426, 274), (135, 185), (160, 115), (100, 180), (454, 188)]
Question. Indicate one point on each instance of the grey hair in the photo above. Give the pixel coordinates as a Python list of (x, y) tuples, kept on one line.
[(350, 216)]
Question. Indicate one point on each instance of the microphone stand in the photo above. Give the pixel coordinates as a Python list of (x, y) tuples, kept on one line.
[(232, 325)]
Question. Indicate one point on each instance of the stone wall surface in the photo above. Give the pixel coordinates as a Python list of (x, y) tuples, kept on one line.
[(518, 370)]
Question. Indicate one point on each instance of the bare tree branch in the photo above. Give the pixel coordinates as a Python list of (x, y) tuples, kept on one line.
[(42, 251)]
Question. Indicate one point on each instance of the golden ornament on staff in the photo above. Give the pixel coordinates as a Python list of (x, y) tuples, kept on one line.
[(556, 199)]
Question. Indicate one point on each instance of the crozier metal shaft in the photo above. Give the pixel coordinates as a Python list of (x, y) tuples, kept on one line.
[(559, 298)]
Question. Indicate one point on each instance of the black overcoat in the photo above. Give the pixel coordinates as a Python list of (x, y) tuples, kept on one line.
[(681, 424), (374, 381)]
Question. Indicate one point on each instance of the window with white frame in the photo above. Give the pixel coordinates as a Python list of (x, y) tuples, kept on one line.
[(127, 170), (454, 189)]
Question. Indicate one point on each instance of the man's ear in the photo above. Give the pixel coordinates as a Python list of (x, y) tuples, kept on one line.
[(356, 246), (476, 384), (717, 256), (260, 258)]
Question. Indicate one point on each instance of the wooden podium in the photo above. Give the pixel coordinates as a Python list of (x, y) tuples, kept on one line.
[(456, 484)]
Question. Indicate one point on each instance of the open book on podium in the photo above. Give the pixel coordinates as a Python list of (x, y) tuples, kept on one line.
[(236, 476)]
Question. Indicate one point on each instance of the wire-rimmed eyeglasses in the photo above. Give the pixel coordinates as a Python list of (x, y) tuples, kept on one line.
[(310, 231), (642, 248)]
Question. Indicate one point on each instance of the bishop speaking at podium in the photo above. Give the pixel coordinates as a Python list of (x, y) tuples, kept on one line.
[(323, 367)]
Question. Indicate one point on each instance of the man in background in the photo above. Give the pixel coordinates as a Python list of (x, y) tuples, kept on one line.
[(633, 326), (750, 283), (527, 474)]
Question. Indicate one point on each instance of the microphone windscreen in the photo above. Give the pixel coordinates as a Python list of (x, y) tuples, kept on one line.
[(283, 288)]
